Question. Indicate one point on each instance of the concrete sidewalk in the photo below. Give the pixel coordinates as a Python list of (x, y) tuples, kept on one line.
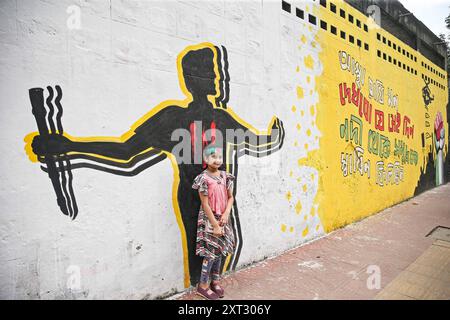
[(340, 265)]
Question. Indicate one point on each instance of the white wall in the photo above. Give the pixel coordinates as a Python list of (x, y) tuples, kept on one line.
[(120, 64)]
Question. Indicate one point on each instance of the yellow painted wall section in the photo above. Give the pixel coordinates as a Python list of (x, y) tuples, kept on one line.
[(363, 166)]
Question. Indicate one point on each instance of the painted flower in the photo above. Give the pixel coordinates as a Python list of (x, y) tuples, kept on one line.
[(439, 132)]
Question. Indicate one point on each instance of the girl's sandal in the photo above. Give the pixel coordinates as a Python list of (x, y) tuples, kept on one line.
[(204, 293), (218, 290)]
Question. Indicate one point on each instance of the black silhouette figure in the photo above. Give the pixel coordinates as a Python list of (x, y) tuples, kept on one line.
[(204, 79)]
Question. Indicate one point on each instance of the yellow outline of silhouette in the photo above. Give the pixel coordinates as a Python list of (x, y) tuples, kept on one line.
[(181, 103)]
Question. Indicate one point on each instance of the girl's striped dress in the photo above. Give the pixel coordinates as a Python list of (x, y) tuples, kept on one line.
[(208, 245)]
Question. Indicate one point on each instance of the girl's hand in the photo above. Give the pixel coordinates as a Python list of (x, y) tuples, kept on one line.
[(224, 219), (218, 231)]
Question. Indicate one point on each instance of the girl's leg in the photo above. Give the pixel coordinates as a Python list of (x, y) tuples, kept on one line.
[(215, 269), (206, 270), (215, 277)]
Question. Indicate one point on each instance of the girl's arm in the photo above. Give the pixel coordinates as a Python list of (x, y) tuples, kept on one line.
[(209, 213), (226, 214)]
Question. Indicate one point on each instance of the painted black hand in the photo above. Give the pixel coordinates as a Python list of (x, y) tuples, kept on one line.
[(52, 145)]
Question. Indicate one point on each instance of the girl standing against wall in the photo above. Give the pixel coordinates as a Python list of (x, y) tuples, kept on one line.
[(215, 236)]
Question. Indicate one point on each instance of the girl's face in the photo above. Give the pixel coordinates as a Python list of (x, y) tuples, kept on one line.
[(215, 159)]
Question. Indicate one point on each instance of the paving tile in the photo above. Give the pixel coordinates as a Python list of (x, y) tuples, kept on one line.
[(428, 277), (392, 295), (412, 266)]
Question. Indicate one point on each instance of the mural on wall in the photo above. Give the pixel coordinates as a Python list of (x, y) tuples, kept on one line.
[(381, 122), (439, 142), (58, 167), (373, 143), (204, 79), (426, 94), (434, 173)]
